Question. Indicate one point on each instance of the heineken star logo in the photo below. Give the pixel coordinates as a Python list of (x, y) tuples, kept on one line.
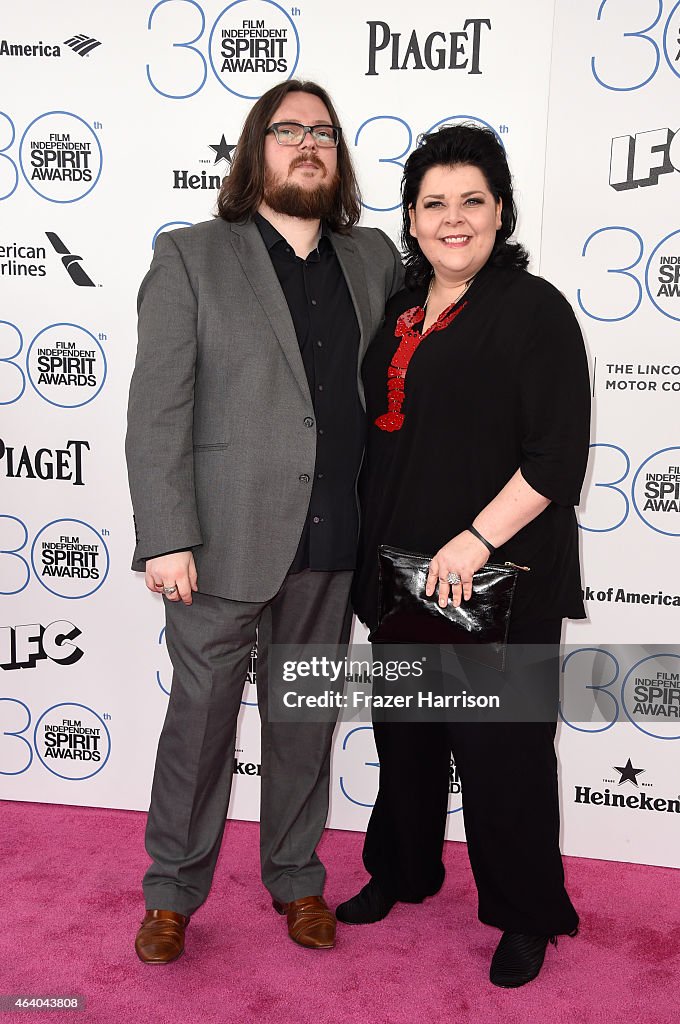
[(222, 150), (628, 773)]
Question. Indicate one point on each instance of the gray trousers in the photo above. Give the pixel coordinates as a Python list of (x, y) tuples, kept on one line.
[(209, 643)]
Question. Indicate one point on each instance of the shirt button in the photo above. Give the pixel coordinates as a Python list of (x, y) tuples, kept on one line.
[(314, 302), (317, 519), (308, 421), (319, 476), (304, 478), (319, 344), (320, 431), (320, 387)]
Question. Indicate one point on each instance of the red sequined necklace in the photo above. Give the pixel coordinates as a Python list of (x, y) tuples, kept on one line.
[(393, 419)]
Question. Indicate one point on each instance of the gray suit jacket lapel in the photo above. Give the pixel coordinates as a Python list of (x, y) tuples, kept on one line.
[(355, 275), (252, 254)]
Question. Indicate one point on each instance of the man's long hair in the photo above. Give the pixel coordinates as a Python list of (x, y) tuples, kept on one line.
[(242, 190)]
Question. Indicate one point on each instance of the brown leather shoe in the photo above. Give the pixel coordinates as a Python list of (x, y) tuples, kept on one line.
[(310, 922), (160, 940)]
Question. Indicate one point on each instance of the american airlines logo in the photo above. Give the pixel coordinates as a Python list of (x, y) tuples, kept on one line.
[(72, 263), (82, 44)]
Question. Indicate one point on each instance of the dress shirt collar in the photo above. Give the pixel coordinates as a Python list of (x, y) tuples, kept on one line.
[(271, 236)]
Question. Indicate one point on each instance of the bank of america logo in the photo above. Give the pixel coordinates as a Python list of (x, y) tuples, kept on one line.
[(71, 261), (82, 44)]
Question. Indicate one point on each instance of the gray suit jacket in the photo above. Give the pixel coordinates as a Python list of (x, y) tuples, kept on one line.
[(220, 420)]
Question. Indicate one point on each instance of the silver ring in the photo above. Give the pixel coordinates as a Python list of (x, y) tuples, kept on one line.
[(169, 590), (453, 578)]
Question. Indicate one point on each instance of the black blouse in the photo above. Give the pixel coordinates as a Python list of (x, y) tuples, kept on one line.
[(503, 387)]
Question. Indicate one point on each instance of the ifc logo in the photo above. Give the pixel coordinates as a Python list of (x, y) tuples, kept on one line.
[(253, 44)]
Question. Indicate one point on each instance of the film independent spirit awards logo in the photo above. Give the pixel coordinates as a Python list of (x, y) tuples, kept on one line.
[(60, 156), (70, 558), (651, 695), (663, 277), (72, 741), (253, 45), (67, 365), (656, 491)]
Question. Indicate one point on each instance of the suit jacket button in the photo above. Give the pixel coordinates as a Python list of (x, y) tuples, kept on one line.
[(309, 422), (304, 478)]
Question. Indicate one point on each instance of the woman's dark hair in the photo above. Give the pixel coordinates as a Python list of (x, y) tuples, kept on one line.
[(242, 190), (452, 146)]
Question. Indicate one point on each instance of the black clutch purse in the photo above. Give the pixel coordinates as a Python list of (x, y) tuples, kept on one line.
[(478, 627)]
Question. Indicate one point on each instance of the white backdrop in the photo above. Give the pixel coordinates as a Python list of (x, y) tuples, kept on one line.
[(114, 126)]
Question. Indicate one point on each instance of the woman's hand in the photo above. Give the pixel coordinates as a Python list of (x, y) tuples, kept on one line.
[(177, 571), (463, 556)]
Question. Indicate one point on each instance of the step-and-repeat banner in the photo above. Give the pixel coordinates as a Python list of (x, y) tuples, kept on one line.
[(116, 125)]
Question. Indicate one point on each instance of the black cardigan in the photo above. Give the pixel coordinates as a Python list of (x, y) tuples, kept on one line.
[(504, 386)]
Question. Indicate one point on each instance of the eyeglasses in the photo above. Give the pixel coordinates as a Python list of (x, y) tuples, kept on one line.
[(291, 133)]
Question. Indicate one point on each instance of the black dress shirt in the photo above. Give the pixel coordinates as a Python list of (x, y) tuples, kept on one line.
[(328, 335)]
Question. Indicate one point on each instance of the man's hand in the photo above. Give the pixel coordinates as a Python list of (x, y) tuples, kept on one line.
[(175, 570)]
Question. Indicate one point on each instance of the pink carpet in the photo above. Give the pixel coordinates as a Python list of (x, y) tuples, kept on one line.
[(72, 904)]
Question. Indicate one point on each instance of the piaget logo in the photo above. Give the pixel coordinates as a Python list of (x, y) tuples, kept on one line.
[(20, 461), (438, 50)]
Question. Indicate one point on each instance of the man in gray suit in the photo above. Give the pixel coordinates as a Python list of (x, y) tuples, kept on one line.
[(245, 434)]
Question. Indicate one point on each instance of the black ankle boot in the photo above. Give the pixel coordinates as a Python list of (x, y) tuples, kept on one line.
[(518, 958), (368, 906)]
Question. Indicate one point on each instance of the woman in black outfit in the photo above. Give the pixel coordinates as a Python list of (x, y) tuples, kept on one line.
[(478, 407)]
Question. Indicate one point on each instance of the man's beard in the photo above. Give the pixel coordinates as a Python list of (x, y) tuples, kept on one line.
[(293, 200)]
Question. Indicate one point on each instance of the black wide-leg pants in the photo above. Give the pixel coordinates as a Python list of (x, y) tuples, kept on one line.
[(508, 772)]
